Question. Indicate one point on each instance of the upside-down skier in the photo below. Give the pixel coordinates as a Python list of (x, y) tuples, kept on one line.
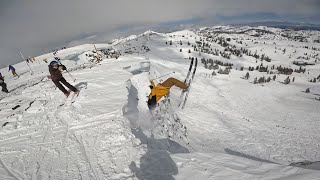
[(162, 89)]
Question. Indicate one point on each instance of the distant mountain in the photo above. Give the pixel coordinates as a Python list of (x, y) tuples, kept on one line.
[(284, 25)]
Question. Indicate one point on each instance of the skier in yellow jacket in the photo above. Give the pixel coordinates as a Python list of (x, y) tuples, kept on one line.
[(162, 89)]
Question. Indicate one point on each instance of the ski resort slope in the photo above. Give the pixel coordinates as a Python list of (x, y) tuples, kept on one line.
[(235, 129)]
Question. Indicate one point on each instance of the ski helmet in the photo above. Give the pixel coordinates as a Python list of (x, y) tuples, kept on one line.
[(54, 63), (152, 104)]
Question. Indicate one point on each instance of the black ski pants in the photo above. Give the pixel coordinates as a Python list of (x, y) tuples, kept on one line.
[(64, 82), (4, 87)]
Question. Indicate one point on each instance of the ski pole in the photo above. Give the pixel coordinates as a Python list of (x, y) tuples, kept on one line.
[(162, 76), (74, 79), (26, 62)]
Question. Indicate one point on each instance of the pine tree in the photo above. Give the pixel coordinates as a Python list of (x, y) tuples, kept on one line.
[(247, 75), (284, 51), (287, 80), (308, 90), (274, 77), (261, 80), (269, 79)]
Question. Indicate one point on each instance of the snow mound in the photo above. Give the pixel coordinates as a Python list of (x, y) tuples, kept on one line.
[(231, 127)]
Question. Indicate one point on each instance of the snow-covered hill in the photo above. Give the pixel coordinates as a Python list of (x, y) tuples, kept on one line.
[(233, 126)]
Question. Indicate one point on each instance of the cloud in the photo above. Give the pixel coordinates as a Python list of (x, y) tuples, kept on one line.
[(48, 23)]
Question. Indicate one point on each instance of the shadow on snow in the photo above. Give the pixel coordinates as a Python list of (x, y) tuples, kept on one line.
[(156, 163)]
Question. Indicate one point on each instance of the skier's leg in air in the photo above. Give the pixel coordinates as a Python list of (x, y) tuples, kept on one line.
[(174, 82)]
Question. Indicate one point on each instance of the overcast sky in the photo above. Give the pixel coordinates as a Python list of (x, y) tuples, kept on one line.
[(36, 26)]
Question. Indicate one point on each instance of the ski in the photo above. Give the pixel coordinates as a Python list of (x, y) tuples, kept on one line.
[(189, 71), (189, 85), (186, 79), (75, 97), (70, 100), (66, 100)]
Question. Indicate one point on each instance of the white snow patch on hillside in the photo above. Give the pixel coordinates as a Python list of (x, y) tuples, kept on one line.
[(235, 129)]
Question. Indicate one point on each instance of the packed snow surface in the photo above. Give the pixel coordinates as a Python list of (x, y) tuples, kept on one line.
[(230, 128)]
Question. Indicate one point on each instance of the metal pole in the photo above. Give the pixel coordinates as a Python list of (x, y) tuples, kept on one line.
[(26, 62), (74, 79)]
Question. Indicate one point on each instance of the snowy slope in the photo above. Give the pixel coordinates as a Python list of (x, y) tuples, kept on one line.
[(234, 129)]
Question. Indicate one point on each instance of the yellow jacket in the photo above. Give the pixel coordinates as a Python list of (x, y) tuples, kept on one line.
[(158, 91)]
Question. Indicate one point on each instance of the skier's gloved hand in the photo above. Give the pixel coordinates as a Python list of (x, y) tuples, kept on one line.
[(64, 67)]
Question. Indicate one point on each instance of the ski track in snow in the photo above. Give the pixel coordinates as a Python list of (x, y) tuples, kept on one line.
[(230, 128), (66, 142)]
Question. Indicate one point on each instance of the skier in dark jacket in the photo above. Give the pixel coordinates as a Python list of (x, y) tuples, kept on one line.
[(13, 70), (3, 84), (55, 69)]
